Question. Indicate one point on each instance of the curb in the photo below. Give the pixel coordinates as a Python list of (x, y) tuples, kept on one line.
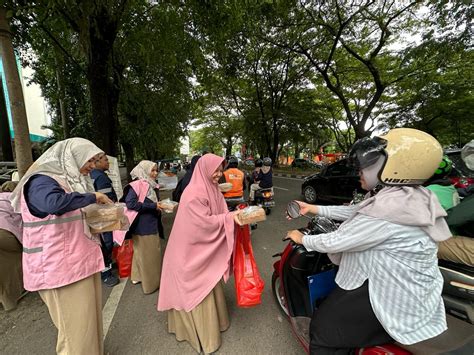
[(290, 175)]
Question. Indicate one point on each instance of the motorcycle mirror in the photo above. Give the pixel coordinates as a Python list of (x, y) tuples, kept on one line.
[(294, 211)]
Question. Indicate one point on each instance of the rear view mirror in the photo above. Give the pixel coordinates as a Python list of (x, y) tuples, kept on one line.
[(293, 209)]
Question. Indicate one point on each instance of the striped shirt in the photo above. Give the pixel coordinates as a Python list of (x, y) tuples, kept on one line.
[(401, 265)]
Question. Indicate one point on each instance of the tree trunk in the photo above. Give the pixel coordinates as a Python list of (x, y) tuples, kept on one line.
[(5, 139), (62, 95), (100, 76), (129, 158), (23, 154)]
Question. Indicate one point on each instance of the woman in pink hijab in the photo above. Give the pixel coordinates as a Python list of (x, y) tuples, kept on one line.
[(198, 256)]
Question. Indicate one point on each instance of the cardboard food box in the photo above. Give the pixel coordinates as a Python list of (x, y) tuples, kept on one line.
[(226, 186), (167, 205), (252, 214)]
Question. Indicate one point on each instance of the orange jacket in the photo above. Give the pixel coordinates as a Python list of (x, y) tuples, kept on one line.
[(236, 178)]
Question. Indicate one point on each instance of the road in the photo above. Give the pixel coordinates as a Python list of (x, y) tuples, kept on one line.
[(133, 325)]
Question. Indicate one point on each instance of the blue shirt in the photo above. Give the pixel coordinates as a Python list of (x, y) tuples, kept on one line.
[(102, 183), (44, 196), (146, 222)]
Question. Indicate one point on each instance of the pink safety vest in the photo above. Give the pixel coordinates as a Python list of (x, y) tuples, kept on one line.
[(141, 188), (56, 252)]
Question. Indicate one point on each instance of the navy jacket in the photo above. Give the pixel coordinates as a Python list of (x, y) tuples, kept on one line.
[(102, 183), (44, 196), (148, 220), (265, 180)]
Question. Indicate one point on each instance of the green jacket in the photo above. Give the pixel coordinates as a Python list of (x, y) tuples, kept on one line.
[(447, 195)]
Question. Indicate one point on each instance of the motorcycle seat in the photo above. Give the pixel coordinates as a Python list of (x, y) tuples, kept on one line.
[(462, 268)]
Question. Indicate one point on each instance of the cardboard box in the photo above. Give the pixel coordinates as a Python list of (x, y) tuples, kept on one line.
[(252, 214)]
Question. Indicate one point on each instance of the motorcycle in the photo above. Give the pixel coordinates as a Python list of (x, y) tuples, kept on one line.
[(264, 199), (302, 279)]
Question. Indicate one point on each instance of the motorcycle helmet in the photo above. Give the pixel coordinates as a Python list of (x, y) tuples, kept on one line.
[(444, 168), (267, 161), (258, 163), (411, 156), (233, 162)]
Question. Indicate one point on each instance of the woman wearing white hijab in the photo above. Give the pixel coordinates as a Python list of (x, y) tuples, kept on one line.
[(61, 259), (144, 216)]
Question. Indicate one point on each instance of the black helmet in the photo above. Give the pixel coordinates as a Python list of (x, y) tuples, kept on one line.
[(267, 161), (258, 163), (233, 161)]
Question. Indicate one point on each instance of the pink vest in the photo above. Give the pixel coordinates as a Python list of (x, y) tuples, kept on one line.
[(56, 252), (141, 188)]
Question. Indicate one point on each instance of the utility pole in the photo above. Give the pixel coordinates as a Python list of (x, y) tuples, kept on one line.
[(21, 130)]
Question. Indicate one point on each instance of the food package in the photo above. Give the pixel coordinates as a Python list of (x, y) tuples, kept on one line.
[(226, 186), (106, 218), (167, 205), (252, 214)]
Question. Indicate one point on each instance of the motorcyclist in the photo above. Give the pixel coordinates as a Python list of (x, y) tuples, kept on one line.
[(388, 283), (441, 185), (460, 248), (253, 176), (264, 179), (234, 176)]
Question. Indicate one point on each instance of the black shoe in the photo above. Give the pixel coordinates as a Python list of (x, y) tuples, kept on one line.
[(111, 281)]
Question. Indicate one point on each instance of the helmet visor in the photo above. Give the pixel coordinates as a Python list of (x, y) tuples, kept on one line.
[(366, 151)]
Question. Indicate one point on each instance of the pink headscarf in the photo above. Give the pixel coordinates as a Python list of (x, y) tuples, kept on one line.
[(201, 243)]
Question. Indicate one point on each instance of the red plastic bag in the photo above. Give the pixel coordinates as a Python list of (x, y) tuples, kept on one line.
[(124, 258), (248, 283)]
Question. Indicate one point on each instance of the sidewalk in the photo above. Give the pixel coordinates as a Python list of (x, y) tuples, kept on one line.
[(289, 175)]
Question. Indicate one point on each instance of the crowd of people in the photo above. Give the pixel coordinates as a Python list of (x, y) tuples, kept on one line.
[(394, 234)]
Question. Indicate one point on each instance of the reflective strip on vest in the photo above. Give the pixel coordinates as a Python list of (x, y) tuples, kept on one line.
[(105, 191), (52, 221), (32, 250)]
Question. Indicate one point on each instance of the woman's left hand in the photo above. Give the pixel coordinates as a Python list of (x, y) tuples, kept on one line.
[(295, 235)]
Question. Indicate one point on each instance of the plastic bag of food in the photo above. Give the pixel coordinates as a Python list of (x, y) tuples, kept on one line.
[(167, 205), (226, 186), (106, 218), (252, 214)]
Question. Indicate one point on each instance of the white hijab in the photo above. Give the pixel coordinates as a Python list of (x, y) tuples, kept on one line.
[(64, 160), (142, 171)]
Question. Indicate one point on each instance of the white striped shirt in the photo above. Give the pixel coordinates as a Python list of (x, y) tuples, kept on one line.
[(401, 265)]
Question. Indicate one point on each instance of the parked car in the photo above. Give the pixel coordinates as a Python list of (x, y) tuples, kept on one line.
[(336, 183), (300, 163)]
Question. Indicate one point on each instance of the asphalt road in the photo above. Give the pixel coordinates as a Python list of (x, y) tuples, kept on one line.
[(134, 326)]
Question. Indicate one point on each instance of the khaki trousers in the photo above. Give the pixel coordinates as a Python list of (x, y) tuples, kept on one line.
[(202, 326), (76, 310), (147, 261), (457, 249), (11, 275)]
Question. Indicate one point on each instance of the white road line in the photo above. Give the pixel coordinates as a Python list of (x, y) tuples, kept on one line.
[(280, 188), (287, 178), (111, 305)]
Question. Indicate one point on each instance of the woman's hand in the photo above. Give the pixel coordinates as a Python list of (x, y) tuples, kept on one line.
[(102, 199), (295, 235), (235, 215)]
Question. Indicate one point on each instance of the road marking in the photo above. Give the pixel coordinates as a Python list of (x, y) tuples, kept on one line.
[(280, 188), (111, 305), (287, 178)]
